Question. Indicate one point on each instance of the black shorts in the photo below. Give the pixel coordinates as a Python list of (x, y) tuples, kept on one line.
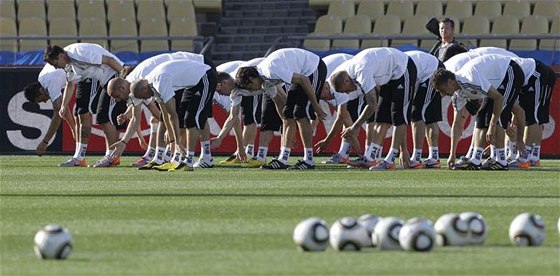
[(197, 101), (396, 100), (108, 109), (87, 96), (535, 96), (251, 106), (270, 119), (355, 107), (509, 88), (426, 105), (298, 105)]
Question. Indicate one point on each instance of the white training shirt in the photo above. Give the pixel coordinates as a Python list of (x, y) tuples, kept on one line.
[(477, 76), (457, 62), (335, 60), (493, 50), (528, 65), (87, 63), (236, 95), (148, 65), (53, 81), (426, 64), (375, 67), (173, 75), (280, 66), (228, 67)]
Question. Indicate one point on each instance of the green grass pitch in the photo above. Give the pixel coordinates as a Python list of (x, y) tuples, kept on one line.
[(240, 221)]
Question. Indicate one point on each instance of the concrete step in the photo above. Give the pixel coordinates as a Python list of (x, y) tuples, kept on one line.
[(266, 5), (269, 13), (267, 21), (264, 29)]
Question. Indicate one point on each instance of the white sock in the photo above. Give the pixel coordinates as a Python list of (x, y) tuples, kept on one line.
[(493, 152), (109, 152), (344, 149), (476, 156), (80, 152), (368, 152), (392, 155), (150, 152), (284, 155), (501, 156), (511, 149), (417, 155), (261, 155), (158, 157), (189, 159), (536, 153), (167, 153), (308, 156), (205, 152), (529, 152), (176, 157), (379, 155), (249, 150), (434, 153)]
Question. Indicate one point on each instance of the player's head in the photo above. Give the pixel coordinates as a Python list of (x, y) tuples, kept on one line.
[(444, 82), (35, 93), (447, 28), (342, 82), (326, 93), (141, 89), (225, 83), (248, 78), (452, 51), (56, 56), (118, 88)]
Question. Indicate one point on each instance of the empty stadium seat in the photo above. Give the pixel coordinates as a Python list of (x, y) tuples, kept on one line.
[(459, 9), (342, 9), (155, 26), (8, 27), (149, 9), (63, 26), (93, 26), (384, 25), (90, 8), (549, 9), (182, 27), (548, 44), (429, 8), (326, 25), (212, 5), (502, 25), (413, 25), (373, 9), (400, 8), (179, 9), (118, 9), (489, 9), (31, 8), (56, 9), (8, 9), (518, 9), (32, 26), (123, 27), (355, 25), (475, 25), (534, 24)]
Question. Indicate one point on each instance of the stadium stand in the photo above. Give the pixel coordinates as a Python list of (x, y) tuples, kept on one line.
[(488, 9), (56, 9), (459, 9), (31, 8), (148, 9), (8, 9), (93, 26), (429, 8), (517, 9), (373, 9), (534, 24), (90, 8), (326, 25), (402, 9), (8, 27), (63, 26), (153, 26), (32, 26), (119, 9), (475, 25), (182, 27), (123, 27), (179, 9), (548, 9), (413, 25), (384, 25), (504, 25), (355, 25), (548, 44), (342, 9)]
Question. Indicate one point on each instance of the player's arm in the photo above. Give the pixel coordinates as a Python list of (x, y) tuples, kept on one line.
[(231, 121), (459, 118), (304, 82), (369, 110), (519, 122), (496, 111), (342, 117), (152, 107), (170, 115), (66, 97), (120, 145), (113, 63), (53, 127)]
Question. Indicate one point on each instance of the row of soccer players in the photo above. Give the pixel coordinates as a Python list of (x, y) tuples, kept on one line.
[(379, 86)]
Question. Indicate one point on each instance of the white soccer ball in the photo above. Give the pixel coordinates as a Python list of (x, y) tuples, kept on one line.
[(53, 242), (527, 230), (417, 235), (312, 234), (386, 233), (477, 227), (348, 235), (369, 221), (451, 230)]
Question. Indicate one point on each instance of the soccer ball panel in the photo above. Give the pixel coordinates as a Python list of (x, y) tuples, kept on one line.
[(527, 229), (311, 234), (451, 230), (52, 242), (386, 233), (477, 227), (417, 235), (347, 234)]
